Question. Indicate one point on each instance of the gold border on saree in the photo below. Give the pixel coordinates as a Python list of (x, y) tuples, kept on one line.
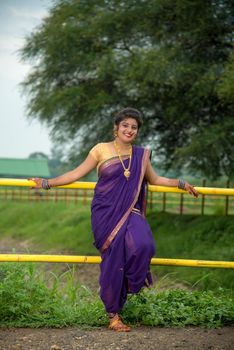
[(112, 235)]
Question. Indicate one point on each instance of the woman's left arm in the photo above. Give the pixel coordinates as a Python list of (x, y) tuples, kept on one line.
[(153, 179)]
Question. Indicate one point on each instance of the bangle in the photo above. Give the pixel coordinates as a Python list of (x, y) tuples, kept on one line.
[(45, 184), (181, 184)]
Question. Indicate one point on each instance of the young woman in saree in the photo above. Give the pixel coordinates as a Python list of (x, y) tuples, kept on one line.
[(121, 232)]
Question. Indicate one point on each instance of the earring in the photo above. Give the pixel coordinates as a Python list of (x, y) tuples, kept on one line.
[(115, 133)]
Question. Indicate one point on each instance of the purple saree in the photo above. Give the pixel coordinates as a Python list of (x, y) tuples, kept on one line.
[(120, 229)]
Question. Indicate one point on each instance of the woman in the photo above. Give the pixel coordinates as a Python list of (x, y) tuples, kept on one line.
[(121, 232)]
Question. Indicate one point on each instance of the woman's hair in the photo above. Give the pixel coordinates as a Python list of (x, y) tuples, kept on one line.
[(128, 113)]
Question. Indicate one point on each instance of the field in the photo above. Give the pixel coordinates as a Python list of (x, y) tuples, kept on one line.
[(65, 228), (58, 295)]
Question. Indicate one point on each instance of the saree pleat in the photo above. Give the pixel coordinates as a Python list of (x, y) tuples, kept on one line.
[(121, 231)]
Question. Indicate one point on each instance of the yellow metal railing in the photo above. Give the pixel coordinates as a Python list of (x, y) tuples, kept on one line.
[(97, 259), (91, 185)]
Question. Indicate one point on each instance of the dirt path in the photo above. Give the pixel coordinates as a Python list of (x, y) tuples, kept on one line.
[(145, 338)]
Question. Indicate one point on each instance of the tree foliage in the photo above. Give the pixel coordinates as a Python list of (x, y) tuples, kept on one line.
[(38, 155), (171, 59)]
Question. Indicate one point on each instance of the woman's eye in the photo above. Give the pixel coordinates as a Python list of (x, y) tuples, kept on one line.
[(133, 126)]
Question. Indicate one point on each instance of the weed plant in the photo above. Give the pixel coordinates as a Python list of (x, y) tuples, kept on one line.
[(29, 298)]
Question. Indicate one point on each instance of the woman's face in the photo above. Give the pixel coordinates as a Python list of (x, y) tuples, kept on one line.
[(127, 130)]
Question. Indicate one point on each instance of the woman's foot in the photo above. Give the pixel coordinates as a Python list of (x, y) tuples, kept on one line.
[(117, 325)]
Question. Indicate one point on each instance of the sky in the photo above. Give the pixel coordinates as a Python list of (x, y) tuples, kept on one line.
[(19, 136)]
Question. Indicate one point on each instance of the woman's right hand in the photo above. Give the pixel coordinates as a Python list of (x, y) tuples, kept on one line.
[(38, 182)]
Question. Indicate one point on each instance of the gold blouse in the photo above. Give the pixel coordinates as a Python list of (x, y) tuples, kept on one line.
[(102, 152)]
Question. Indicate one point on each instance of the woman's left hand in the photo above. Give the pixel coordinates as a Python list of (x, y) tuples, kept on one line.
[(190, 189)]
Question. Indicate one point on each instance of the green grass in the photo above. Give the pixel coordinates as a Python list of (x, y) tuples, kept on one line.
[(195, 237), (26, 300), (33, 296), (51, 226), (65, 228)]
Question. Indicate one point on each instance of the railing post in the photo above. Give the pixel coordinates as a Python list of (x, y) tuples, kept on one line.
[(47, 194), (151, 201), (164, 201), (84, 197), (181, 203), (56, 195), (203, 198), (227, 199)]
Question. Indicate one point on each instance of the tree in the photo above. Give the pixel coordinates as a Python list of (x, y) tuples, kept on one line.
[(38, 155), (171, 59)]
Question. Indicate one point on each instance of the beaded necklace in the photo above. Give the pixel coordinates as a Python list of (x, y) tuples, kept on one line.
[(127, 172)]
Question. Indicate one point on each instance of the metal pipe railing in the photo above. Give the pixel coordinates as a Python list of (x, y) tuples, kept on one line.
[(91, 185), (97, 260)]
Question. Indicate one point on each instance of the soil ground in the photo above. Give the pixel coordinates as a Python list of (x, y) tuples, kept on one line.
[(145, 338)]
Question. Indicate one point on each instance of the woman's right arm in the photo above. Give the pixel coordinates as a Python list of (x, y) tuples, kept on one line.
[(84, 168)]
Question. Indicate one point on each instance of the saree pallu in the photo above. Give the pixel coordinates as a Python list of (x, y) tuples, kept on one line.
[(121, 232)]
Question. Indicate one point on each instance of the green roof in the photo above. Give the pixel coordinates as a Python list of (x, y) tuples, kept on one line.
[(14, 167)]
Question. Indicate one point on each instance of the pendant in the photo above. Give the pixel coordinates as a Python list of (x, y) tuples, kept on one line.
[(127, 174)]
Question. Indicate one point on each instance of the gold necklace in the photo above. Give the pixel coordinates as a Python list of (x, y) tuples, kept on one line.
[(127, 172)]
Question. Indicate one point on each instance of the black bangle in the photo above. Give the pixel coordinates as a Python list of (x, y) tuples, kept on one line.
[(45, 184), (181, 184)]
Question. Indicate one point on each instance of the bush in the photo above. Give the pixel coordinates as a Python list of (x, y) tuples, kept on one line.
[(29, 298)]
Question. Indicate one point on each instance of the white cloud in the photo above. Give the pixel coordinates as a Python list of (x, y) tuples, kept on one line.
[(9, 43), (27, 13), (11, 67), (18, 136)]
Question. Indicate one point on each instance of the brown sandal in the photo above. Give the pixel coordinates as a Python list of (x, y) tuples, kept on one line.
[(117, 325)]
